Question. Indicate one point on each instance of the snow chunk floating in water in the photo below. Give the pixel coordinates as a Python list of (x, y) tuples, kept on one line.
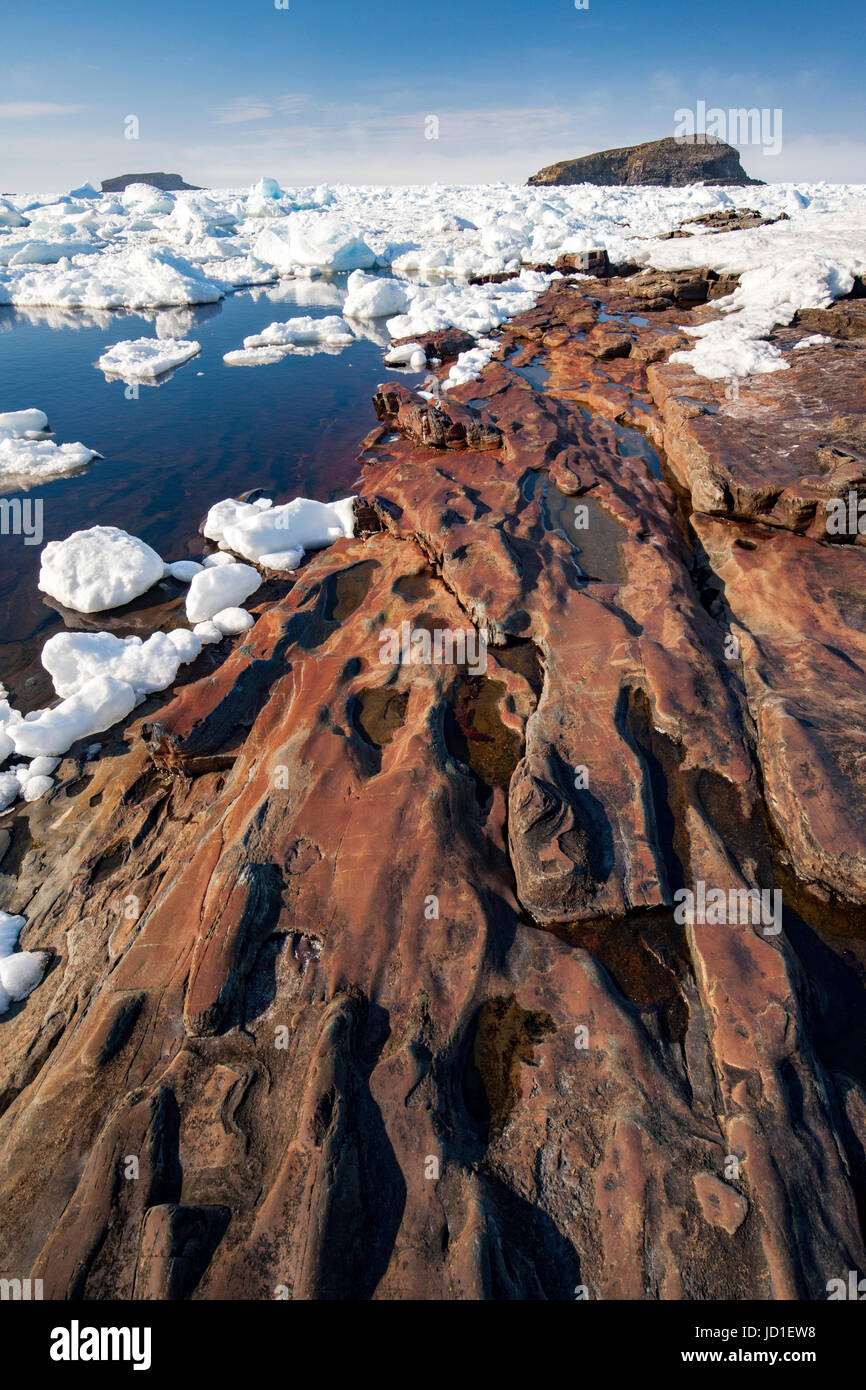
[(219, 587), (253, 357), (258, 529), (280, 338), (99, 703), (23, 424), (374, 297), (27, 457), (145, 359), (100, 568), (74, 658), (32, 460)]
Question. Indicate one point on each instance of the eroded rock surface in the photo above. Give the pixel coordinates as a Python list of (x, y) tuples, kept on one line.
[(368, 978)]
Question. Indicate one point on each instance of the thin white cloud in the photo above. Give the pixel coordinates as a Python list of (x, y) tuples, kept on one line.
[(244, 109), (29, 110)]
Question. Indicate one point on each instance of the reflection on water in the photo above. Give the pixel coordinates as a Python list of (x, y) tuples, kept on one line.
[(210, 431)]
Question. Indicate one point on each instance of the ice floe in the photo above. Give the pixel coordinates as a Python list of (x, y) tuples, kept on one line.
[(146, 359), (374, 296), (102, 567), (278, 339), (27, 458)]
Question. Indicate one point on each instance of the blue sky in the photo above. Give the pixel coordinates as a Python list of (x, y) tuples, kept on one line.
[(341, 90)]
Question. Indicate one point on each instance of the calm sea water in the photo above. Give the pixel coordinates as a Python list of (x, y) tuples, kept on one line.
[(207, 432)]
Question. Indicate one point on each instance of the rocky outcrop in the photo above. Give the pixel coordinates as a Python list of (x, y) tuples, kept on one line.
[(368, 978), (171, 183), (671, 163)]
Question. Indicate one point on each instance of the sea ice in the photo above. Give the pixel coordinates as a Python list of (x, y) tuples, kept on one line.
[(230, 621), (73, 658), (102, 567), (219, 587), (146, 358), (302, 331), (23, 424), (98, 704), (254, 530), (374, 296)]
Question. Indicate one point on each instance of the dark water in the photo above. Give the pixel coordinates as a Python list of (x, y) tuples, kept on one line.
[(207, 432)]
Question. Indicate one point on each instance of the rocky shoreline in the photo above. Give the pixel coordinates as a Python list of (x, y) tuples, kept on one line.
[(368, 980)]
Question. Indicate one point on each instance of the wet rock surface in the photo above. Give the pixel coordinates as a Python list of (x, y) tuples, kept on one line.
[(367, 976)]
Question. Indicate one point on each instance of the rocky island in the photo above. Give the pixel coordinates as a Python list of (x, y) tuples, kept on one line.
[(670, 163)]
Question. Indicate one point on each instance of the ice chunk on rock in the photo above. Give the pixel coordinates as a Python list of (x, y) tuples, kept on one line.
[(374, 296), (281, 559), (184, 570), (74, 658), (100, 568), (9, 789), (255, 531), (208, 632), (19, 975), (145, 359), (34, 787), (407, 355), (218, 587), (10, 930), (229, 621), (98, 704)]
